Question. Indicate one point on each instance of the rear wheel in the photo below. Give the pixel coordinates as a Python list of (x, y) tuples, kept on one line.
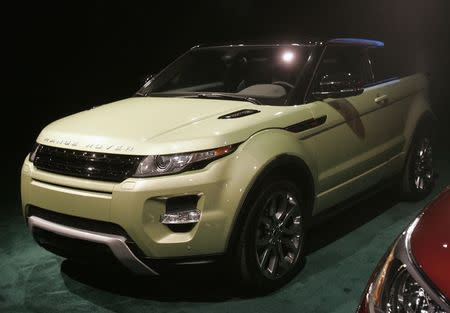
[(271, 243), (418, 176)]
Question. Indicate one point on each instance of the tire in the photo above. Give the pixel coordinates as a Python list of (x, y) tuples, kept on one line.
[(271, 241), (418, 174)]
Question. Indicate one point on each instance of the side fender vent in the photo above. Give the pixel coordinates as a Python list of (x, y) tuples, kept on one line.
[(238, 114)]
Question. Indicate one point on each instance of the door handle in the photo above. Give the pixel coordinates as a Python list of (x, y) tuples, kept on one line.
[(381, 99)]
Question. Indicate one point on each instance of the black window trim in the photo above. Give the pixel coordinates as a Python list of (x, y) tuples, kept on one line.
[(379, 82), (308, 94), (302, 85), (307, 97)]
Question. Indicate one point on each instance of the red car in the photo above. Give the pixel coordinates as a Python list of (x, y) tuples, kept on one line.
[(414, 275)]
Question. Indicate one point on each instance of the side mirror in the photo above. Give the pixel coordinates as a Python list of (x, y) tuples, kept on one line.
[(338, 85)]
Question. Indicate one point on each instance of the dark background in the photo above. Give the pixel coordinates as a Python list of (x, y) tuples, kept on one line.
[(67, 58)]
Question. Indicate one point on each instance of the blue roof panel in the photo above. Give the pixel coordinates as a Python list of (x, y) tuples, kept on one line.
[(357, 41)]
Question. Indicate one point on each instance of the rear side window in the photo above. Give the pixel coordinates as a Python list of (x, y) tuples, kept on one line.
[(384, 67), (337, 59), (389, 64)]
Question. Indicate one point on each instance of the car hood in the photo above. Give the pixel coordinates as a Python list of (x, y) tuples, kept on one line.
[(430, 242), (151, 125)]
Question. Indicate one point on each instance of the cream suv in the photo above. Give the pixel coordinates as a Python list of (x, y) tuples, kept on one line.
[(229, 151)]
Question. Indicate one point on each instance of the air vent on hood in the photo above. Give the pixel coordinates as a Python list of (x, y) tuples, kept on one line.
[(238, 114)]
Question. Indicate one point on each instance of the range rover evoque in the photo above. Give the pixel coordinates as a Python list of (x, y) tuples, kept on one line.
[(232, 151)]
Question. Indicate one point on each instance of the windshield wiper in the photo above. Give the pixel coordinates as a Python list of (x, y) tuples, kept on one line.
[(224, 96)]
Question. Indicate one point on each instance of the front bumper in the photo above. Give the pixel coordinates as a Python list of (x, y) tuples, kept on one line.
[(136, 206), (117, 244)]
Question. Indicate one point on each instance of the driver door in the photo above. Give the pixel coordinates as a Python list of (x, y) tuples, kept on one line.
[(345, 145)]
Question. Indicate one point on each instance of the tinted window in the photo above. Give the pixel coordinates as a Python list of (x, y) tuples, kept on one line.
[(267, 73), (383, 67), (344, 60)]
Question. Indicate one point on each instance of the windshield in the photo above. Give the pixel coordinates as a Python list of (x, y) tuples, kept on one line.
[(265, 74)]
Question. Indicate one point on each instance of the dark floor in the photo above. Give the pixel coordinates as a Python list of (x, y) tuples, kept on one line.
[(341, 255)]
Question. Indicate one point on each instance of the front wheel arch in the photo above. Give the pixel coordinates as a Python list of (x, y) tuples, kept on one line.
[(292, 168)]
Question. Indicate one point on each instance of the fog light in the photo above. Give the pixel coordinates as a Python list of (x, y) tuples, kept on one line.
[(181, 217)]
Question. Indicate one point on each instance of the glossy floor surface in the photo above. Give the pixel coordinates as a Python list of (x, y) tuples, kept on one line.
[(342, 253)]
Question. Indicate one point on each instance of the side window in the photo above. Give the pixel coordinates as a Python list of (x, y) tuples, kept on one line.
[(338, 59), (383, 67)]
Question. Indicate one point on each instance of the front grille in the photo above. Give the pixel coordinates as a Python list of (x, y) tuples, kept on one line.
[(85, 164)]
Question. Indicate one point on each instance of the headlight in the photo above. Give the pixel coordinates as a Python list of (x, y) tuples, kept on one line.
[(33, 152), (396, 286), (406, 295), (157, 165)]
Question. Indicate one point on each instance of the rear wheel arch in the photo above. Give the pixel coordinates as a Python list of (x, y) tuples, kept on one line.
[(423, 128), (287, 166), (426, 120)]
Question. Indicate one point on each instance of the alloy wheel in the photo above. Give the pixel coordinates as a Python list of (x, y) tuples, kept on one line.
[(279, 235), (423, 166)]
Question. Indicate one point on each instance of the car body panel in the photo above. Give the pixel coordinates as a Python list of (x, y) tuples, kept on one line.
[(414, 271), (165, 125), (358, 142), (362, 141), (430, 242), (135, 204), (341, 160)]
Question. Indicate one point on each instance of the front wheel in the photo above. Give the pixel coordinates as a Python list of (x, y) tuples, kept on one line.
[(418, 176), (271, 244)]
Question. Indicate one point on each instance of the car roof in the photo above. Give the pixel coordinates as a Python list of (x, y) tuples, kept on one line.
[(333, 41), (357, 42)]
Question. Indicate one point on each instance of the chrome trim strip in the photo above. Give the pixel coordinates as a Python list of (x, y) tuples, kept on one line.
[(116, 243)]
